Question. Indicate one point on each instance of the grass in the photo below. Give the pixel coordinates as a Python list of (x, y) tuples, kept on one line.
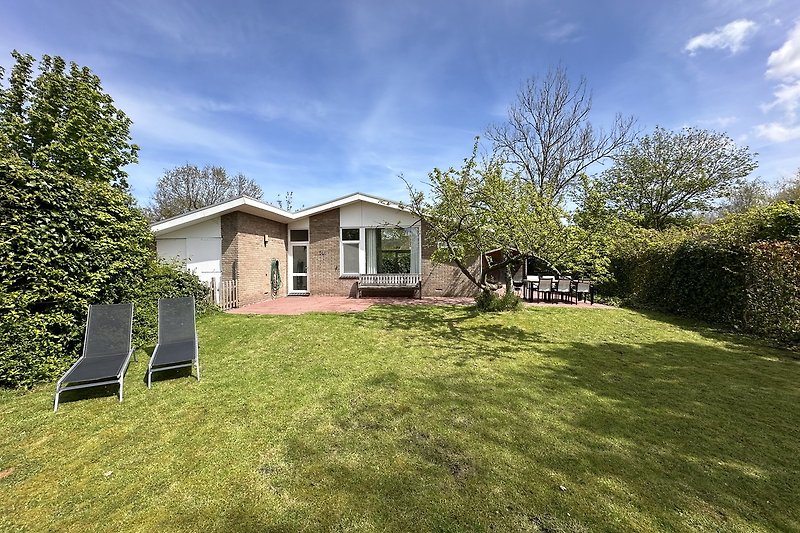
[(422, 419)]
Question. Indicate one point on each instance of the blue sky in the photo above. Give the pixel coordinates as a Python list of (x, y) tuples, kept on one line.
[(324, 98)]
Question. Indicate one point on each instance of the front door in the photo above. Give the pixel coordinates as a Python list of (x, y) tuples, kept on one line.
[(299, 276)]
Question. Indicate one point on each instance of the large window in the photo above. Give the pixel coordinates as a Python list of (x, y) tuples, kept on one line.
[(380, 251), (388, 251)]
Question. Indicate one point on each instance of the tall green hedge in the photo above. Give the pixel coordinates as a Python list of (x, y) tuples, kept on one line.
[(773, 291), (65, 243), (742, 272), (163, 280)]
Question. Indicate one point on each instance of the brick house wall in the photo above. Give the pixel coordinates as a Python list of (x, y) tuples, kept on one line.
[(323, 257), (444, 279), (323, 278), (246, 259)]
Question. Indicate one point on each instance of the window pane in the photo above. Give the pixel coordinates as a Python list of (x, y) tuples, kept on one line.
[(350, 234), (297, 235), (350, 258), (300, 283), (395, 239), (394, 251), (299, 259)]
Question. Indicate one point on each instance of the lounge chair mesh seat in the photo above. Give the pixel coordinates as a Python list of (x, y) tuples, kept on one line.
[(106, 350), (177, 337), (95, 368)]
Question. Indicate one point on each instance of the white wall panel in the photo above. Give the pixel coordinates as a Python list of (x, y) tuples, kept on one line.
[(366, 215), (207, 228)]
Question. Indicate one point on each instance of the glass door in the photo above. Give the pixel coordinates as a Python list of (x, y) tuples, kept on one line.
[(299, 274)]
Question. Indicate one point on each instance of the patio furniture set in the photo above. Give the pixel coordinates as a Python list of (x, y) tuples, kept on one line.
[(547, 288), (107, 345)]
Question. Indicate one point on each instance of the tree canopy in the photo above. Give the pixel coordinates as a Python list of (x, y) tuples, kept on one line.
[(789, 190), (69, 233), (745, 196), (479, 208), (669, 175), (61, 120), (548, 137), (188, 187)]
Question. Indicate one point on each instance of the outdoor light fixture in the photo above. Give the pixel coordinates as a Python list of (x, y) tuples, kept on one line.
[(266, 239)]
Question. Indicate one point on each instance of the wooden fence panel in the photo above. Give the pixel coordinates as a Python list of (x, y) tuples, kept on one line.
[(225, 295)]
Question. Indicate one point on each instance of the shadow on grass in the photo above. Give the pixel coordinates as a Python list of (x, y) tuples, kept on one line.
[(719, 332), (675, 428), (89, 393), (104, 391), (101, 391), (166, 375), (441, 329), (649, 436)]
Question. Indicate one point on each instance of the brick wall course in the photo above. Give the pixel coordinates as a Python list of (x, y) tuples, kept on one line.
[(444, 279), (323, 257), (246, 258)]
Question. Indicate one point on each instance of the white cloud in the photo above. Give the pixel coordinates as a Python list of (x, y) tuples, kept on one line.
[(561, 32), (784, 63), (719, 122), (161, 119), (731, 36), (787, 98), (777, 132)]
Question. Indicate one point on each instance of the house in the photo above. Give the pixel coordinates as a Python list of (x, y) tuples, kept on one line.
[(320, 250)]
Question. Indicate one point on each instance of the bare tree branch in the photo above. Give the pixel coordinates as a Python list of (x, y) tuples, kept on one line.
[(188, 187), (549, 138)]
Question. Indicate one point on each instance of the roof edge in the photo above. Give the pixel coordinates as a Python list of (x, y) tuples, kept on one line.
[(205, 213)]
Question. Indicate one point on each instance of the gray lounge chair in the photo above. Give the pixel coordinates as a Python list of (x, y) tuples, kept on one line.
[(106, 353), (177, 337)]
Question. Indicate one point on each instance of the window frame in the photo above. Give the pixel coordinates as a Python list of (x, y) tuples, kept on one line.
[(360, 242), (362, 254)]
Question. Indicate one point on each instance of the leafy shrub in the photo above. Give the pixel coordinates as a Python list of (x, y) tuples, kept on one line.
[(66, 243), (775, 222), (773, 291), (163, 280), (492, 303), (741, 271)]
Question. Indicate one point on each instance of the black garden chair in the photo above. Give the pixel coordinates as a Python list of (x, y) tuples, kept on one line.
[(177, 337), (106, 353)]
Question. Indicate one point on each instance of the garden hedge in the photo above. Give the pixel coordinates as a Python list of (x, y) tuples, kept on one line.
[(65, 243), (742, 272)]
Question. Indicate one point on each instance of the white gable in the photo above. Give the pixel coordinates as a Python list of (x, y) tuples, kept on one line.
[(369, 215)]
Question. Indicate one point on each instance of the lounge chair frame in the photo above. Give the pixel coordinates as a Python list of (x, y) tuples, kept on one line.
[(195, 361), (119, 379)]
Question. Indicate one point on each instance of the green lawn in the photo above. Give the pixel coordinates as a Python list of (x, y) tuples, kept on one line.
[(422, 419)]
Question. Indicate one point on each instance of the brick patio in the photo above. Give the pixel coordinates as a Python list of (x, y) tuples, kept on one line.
[(298, 305)]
